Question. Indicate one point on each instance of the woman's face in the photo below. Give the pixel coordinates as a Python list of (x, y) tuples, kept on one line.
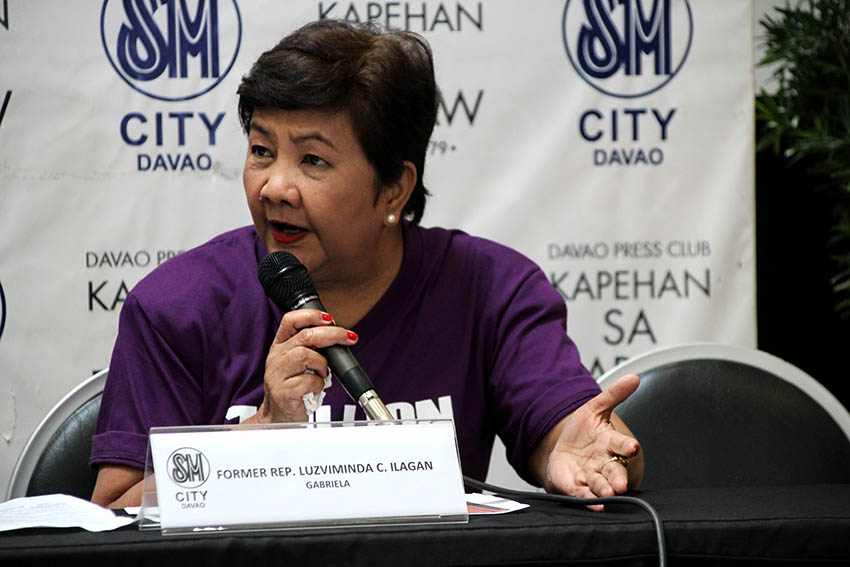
[(311, 192)]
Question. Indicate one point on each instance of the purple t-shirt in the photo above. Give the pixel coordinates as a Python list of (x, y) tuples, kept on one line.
[(469, 329)]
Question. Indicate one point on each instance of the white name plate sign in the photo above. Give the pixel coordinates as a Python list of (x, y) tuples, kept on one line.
[(306, 475)]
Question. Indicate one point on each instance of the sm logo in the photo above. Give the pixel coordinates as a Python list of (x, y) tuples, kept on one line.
[(171, 49), (188, 467), (627, 48)]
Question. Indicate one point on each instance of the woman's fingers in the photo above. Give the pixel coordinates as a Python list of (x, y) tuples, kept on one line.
[(605, 402), (294, 365), (299, 319), (616, 476), (600, 486)]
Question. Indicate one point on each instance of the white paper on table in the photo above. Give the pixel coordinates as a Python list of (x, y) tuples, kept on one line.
[(479, 504), (58, 511)]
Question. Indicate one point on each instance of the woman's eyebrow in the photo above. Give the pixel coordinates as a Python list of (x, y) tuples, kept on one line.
[(307, 136), (261, 129)]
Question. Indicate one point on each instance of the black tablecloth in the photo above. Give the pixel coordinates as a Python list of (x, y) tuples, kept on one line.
[(800, 525)]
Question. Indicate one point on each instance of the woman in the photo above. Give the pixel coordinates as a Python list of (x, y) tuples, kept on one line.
[(338, 119)]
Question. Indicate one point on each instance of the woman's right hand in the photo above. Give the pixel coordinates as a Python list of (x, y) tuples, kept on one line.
[(294, 367)]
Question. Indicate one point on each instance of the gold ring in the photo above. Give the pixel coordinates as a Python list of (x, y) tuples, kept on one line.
[(616, 458)]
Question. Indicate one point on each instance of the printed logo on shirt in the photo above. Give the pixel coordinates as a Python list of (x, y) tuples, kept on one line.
[(421, 409), (628, 48), (171, 49), (188, 467), (2, 309)]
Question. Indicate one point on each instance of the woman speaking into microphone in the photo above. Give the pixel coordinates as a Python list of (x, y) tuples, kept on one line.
[(338, 118)]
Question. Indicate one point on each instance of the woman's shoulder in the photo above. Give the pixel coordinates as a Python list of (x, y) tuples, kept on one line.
[(490, 279), (221, 268), (474, 252), (480, 272)]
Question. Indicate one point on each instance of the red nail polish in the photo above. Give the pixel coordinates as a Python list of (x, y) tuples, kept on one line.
[(327, 317), (352, 335)]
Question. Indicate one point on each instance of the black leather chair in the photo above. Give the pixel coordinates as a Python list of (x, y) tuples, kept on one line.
[(718, 415), (55, 457)]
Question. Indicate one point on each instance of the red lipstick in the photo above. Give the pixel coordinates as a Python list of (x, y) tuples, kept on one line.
[(287, 238), (286, 233)]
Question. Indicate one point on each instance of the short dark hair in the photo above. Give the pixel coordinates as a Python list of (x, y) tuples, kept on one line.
[(383, 79)]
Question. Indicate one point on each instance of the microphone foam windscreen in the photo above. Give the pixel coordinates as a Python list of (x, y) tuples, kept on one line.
[(285, 279)]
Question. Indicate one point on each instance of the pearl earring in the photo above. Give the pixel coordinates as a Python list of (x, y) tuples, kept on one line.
[(391, 218)]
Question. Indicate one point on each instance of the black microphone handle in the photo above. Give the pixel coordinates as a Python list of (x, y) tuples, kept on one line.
[(351, 375)]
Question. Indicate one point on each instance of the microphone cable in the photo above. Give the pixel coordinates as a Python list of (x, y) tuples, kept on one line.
[(656, 519)]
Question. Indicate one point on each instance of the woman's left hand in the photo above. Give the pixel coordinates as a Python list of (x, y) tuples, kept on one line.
[(591, 453)]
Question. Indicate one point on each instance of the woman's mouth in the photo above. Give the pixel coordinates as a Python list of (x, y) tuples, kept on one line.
[(286, 233)]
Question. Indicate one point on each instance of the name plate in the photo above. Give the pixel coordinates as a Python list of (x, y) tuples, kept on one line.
[(305, 475)]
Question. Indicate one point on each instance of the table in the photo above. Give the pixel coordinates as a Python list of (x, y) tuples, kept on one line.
[(719, 526)]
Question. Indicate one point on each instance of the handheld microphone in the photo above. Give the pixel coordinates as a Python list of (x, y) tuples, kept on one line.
[(287, 283)]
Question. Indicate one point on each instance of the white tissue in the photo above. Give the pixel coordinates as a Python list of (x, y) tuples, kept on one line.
[(313, 402)]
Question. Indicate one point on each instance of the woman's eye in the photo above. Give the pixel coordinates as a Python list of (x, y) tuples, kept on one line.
[(315, 160), (260, 151)]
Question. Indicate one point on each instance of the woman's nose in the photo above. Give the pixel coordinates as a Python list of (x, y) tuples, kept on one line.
[(281, 187)]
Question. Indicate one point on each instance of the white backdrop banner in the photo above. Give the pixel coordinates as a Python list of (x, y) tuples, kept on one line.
[(611, 142)]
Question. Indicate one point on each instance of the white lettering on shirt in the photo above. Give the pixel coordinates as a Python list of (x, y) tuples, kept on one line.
[(422, 409), (242, 412)]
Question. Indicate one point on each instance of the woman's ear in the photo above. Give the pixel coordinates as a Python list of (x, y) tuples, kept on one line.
[(395, 195)]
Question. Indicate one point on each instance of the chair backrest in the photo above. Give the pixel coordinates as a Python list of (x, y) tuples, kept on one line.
[(720, 415), (55, 457)]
